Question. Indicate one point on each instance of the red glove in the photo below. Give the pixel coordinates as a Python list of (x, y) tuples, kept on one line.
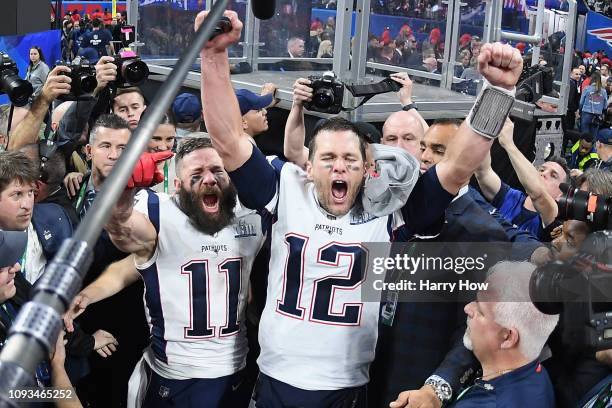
[(146, 173)]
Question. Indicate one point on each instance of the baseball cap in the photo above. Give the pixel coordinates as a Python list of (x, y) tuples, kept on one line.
[(12, 247), (186, 108), (605, 136), (249, 101)]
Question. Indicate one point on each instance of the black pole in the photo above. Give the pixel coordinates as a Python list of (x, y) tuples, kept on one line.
[(38, 323)]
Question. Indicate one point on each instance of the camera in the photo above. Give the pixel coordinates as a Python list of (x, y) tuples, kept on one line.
[(534, 82), (131, 70), (83, 76), (580, 290), (327, 94), (17, 89), (579, 205)]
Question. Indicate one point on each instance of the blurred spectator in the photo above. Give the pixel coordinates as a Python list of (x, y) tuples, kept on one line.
[(593, 103), (464, 42), (583, 154), (604, 148), (37, 70), (573, 104), (99, 39), (325, 49), (295, 47), (187, 111), (475, 44), (464, 60), (433, 43), (387, 54), (374, 47)]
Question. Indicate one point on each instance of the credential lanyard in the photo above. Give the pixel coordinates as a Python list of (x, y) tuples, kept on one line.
[(166, 177)]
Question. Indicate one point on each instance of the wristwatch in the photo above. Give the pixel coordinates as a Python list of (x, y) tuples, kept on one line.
[(443, 390), (410, 106)]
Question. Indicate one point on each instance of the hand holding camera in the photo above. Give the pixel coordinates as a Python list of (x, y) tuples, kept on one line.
[(106, 71), (302, 92), (57, 84), (82, 76), (405, 92)]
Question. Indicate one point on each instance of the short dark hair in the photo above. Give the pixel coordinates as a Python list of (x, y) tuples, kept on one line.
[(188, 145), (54, 170), (130, 89), (110, 121), (96, 22), (337, 124), (16, 165), (587, 137), (563, 163), (447, 122)]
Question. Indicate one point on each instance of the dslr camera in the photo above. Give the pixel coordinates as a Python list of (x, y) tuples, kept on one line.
[(83, 76), (131, 70), (327, 94), (535, 81), (17, 89)]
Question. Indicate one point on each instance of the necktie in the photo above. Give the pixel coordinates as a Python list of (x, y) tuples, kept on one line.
[(89, 197)]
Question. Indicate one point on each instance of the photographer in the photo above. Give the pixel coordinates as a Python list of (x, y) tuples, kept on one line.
[(535, 210), (27, 130), (575, 372)]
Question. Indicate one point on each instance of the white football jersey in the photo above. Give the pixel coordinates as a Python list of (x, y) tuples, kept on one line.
[(315, 332), (196, 288)]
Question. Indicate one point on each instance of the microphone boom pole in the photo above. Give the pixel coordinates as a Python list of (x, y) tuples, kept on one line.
[(35, 330)]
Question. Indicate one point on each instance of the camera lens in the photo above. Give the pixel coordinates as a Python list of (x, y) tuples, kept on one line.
[(88, 83), (17, 89), (135, 72), (323, 98), (573, 204)]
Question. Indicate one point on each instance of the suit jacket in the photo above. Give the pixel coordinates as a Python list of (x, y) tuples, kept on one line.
[(426, 337), (52, 225)]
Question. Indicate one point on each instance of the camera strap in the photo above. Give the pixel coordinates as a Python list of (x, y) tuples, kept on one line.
[(371, 90)]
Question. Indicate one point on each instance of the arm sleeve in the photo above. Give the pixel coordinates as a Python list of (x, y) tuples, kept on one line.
[(459, 363), (424, 211), (257, 181)]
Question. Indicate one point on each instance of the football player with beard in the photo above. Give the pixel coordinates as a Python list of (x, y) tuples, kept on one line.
[(194, 252)]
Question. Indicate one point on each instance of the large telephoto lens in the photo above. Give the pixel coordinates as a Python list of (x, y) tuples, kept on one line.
[(17, 89)]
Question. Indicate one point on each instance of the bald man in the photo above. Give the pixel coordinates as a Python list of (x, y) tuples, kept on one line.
[(404, 130)]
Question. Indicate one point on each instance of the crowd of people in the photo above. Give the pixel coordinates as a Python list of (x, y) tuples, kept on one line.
[(216, 254)]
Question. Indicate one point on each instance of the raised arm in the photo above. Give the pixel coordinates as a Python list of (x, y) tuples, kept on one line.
[(116, 277), (26, 132), (221, 111), (501, 65), (131, 231), (529, 177), (295, 131), (488, 180), (405, 96)]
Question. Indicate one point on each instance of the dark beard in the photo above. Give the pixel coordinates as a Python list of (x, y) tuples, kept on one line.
[(191, 204)]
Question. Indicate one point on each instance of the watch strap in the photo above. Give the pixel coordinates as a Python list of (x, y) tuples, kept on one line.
[(441, 387), (410, 106)]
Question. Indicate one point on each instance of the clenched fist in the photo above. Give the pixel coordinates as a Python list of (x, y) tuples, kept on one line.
[(500, 64), (222, 41)]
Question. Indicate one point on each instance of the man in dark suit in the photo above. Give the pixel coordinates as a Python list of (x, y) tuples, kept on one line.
[(424, 341), (573, 100)]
